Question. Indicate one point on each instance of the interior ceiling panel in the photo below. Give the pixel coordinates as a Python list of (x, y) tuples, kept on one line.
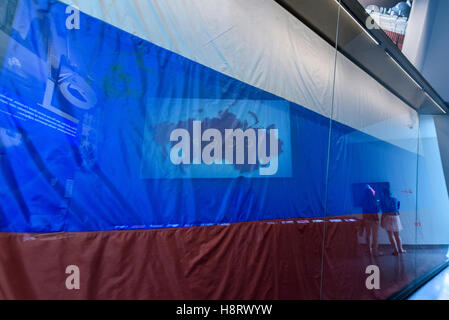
[(370, 49)]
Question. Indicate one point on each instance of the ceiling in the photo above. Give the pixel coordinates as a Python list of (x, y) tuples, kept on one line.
[(370, 49)]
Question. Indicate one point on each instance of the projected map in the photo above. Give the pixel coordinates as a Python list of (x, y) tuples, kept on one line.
[(259, 130)]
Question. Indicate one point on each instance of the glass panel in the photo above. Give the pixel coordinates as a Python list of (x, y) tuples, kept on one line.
[(371, 184), (432, 220)]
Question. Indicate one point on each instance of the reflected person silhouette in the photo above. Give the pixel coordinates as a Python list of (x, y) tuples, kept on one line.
[(390, 220), (370, 220)]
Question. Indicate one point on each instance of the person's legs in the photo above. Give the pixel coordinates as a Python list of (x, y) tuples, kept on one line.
[(393, 243), (368, 236), (399, 242), (375, 232)]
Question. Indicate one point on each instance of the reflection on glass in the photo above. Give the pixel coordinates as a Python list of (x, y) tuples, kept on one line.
[(392, 16)]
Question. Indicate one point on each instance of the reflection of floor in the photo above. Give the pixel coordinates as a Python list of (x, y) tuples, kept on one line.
[(435, 289), (396, 272), (399, 271)]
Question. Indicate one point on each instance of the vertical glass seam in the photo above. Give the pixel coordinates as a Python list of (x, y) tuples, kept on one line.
[(328, 152)]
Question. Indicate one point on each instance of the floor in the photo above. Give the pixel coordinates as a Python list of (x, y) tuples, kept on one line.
[(435, 289), (396, 272)]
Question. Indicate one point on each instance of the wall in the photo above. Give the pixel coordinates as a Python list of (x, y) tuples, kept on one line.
[(427, 42)]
